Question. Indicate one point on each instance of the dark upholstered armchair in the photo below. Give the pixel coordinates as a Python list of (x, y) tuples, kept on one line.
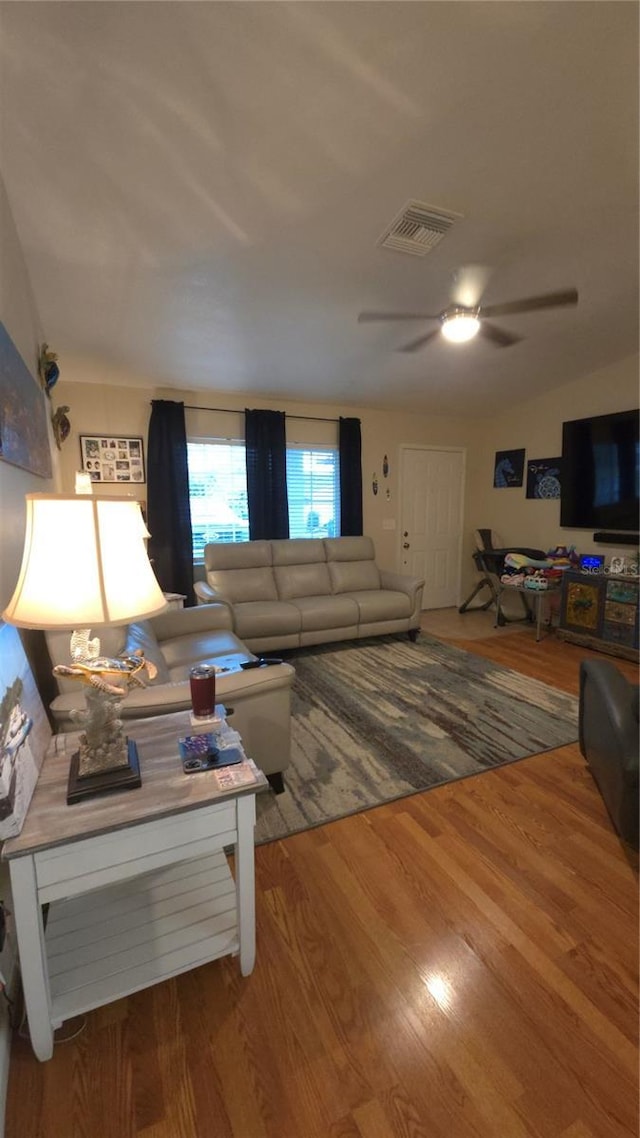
[(609, 741)]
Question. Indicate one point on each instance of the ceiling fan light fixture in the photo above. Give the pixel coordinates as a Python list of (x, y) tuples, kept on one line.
[(459, 327)]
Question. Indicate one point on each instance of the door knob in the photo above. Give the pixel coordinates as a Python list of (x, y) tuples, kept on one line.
[(406, 545)]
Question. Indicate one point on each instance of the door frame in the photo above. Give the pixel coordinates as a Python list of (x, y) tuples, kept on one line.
[(402, 450)]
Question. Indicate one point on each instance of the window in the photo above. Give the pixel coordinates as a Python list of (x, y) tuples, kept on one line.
[(218, 492), (313, 491)]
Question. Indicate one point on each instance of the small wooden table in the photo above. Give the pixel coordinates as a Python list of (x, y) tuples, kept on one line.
[(537, 596), (138, 883)]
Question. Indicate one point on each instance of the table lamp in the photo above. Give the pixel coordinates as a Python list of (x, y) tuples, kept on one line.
[(85, 566)]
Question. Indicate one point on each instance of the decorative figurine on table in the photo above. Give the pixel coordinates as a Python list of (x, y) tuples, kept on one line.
[(103, 744)]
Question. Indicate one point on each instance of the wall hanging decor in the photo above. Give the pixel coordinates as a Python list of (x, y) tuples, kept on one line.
[(374, 483), (543, 477), (109, 458), (509, 468), (385, 466), (61, 425), (24, 434), (48, 368)]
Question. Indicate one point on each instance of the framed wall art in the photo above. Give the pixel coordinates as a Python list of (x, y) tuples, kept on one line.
[(543, 477), (509, 468), (111, 458), (24, 732), (24, 434)]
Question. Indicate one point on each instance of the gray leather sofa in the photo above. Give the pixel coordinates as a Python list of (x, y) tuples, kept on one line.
[(174, 641), (299, 591), (608, 725)]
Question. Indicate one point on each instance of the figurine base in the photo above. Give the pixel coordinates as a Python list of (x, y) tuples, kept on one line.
[(80, 787)]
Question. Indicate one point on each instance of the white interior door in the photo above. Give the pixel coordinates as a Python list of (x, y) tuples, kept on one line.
[(431, 509)]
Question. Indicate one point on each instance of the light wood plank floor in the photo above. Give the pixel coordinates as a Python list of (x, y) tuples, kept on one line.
[(458, 964)]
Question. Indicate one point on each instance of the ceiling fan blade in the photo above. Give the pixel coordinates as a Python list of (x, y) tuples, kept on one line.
[(469, 283), (420, 342), (367, 317), (531, 303), (498, 336)]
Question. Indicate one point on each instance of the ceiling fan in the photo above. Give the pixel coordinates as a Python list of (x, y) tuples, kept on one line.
[(465, 317)]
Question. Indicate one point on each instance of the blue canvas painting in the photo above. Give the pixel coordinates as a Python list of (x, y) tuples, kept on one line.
[(543, 477), (24, 436)]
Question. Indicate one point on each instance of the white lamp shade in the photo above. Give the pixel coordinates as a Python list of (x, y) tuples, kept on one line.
[(84, 564)]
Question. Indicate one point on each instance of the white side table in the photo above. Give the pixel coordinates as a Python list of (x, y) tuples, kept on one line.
[(138, 883)]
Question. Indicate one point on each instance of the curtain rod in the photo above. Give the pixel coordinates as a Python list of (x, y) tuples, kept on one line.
[(237, 411)]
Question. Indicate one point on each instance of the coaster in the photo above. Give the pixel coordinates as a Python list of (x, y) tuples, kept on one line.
[(198, 725)]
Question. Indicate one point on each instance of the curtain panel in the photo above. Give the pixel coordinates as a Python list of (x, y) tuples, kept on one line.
[(350, 449), (266, 451), (168, 510)]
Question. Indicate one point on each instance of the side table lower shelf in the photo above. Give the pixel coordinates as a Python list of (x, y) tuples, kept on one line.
[(121, 938)]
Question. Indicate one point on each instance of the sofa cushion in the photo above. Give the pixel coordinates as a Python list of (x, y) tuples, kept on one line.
[(349, 549), (237, 585), (350, 576), (326, 612), (140, 635), (298, 551), (182, 652), (302, 580), (381, 604), (255, 619), (237, 555)]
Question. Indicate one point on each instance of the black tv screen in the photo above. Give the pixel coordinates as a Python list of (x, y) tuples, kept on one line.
[(600, 458)]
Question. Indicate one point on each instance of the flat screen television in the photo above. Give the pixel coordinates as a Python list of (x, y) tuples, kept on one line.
[(600, 460)]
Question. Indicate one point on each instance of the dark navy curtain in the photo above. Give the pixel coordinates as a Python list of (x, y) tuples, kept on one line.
[(266, 451), (168, 511), (350, 450)]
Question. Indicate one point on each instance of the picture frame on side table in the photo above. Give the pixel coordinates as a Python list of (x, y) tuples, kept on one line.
[(617, 565), (113, 458)]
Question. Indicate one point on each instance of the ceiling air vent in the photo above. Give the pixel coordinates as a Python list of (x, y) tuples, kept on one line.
[(418, 228)]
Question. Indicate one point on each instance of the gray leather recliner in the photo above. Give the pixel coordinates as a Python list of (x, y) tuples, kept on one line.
[(608, 723)]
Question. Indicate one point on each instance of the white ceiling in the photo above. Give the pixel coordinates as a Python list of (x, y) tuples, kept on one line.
[(199, 188)]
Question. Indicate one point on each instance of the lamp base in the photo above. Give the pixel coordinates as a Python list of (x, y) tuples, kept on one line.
[(80, 787)]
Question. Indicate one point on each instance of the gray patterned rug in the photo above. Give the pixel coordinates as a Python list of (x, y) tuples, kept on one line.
[(385, 718)]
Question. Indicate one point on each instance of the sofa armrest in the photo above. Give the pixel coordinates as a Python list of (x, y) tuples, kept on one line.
[(608, 716), (206, 594), (400, 583), (183, 622)]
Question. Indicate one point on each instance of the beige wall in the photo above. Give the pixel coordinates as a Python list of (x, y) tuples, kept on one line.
[(537, 425), (97, 408)]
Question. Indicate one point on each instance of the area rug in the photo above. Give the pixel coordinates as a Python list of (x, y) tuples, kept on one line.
[(385, 718)]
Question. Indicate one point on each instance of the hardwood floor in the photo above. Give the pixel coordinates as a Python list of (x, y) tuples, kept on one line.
[(457, 964)]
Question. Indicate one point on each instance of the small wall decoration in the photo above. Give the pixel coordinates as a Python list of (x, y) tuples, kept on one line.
[(509, 468), (24, 732), (24, 435), (48, 368), (543, 477), (374, 483), (108, 458), (385, 466), (61, 425)]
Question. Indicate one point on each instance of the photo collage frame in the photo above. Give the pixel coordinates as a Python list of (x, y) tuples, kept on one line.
[(110, 458)]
